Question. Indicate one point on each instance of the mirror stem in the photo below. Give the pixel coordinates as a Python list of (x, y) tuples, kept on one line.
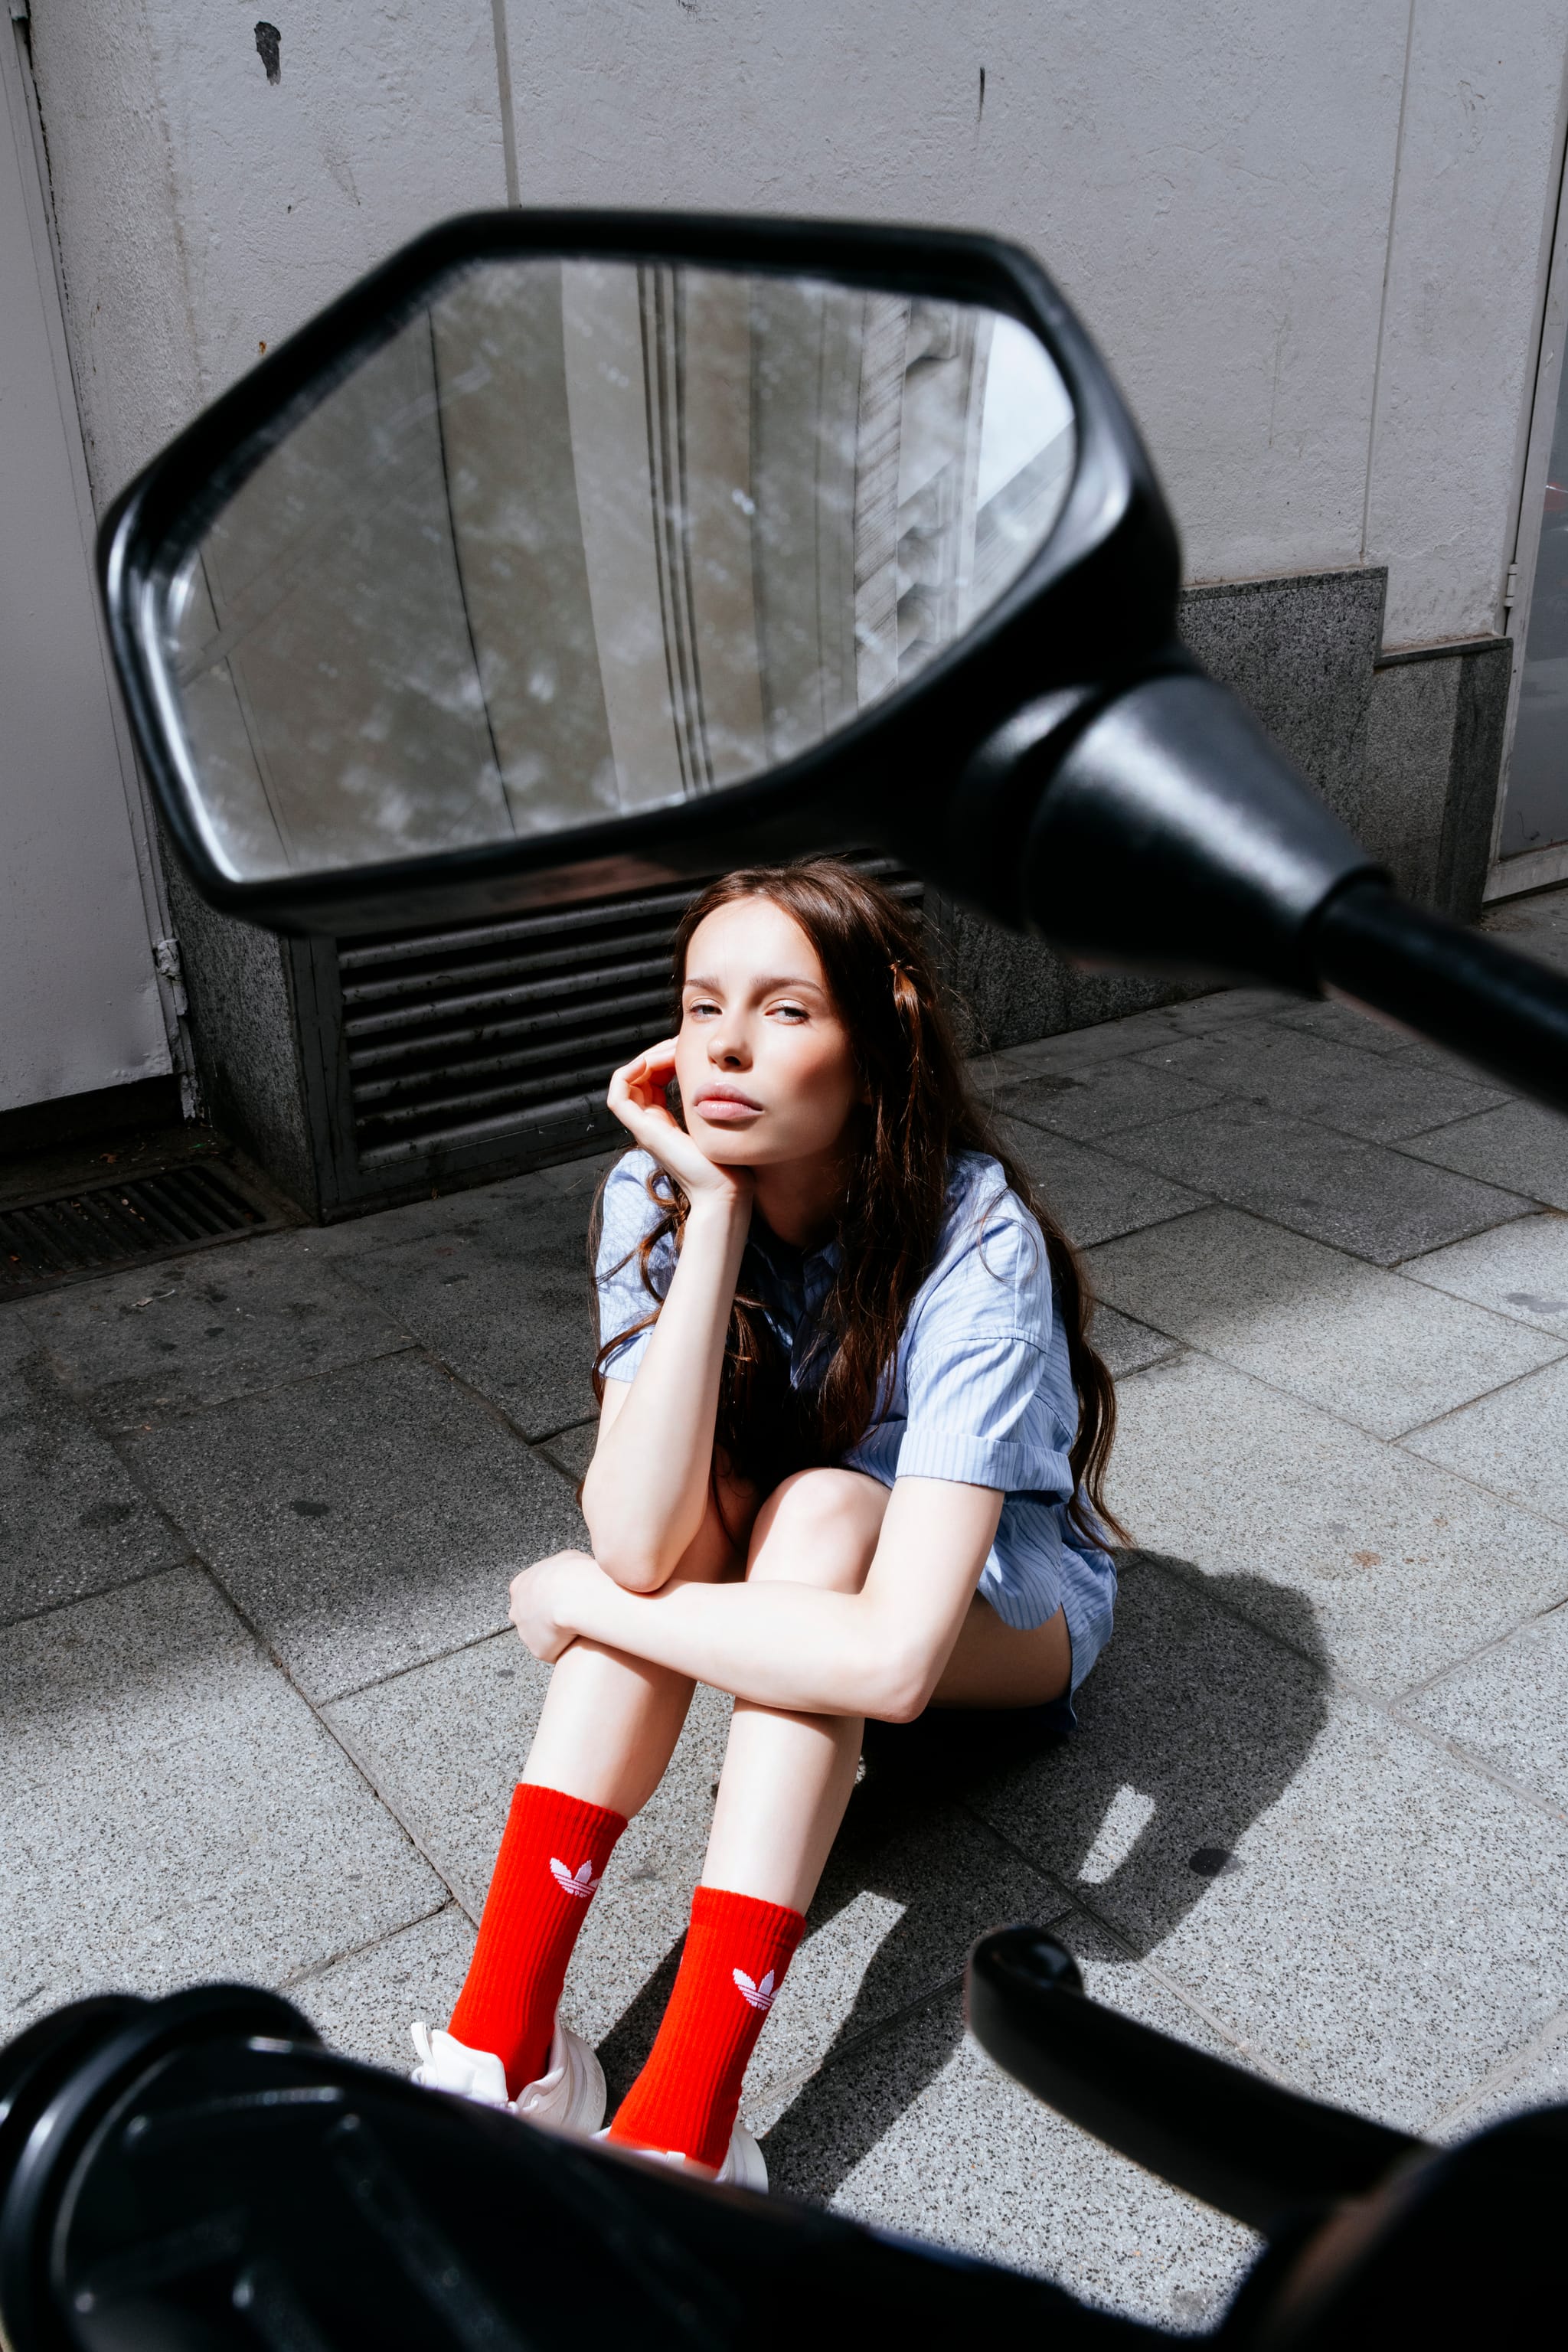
[(1458, 988), (1161, 831), (1168, 834)]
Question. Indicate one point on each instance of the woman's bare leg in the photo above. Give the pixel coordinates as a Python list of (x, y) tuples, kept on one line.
[(787, 1778), (993, 1665), (610, 1722)]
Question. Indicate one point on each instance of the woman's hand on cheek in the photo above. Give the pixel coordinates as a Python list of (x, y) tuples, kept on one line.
[(538, 1598), (637, 1098)]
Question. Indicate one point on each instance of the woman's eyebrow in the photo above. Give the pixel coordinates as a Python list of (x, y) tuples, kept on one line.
[(761, 987)]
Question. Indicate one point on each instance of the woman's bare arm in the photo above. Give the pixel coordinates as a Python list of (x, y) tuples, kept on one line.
[(647, 1488), (879, 1652)]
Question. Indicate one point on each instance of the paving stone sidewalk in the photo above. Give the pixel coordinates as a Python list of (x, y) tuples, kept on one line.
[(260, 1712)]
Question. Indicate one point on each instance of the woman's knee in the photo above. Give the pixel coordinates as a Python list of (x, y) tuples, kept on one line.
[(818, 1526), (576, 1558)]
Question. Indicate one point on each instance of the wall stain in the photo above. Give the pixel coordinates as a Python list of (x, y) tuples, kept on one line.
[(980, 109), (268, 48)]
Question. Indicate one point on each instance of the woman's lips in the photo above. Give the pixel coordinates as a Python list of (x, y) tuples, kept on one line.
[(724, 1108)]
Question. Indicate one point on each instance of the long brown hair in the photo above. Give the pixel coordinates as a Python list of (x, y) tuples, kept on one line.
[(921, 1111)]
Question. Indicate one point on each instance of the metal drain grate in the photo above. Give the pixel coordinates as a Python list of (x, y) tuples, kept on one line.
[(103, 1226)]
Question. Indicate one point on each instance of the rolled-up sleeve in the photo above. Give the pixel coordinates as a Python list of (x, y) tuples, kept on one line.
[(626, 1214), (975, 1417), (977, 1374)]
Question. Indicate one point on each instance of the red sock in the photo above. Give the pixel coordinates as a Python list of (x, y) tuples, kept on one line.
[(551, 1858), (689, 2093)]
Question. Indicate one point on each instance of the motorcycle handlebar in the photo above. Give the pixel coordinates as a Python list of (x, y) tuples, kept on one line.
[(1231, 2138)]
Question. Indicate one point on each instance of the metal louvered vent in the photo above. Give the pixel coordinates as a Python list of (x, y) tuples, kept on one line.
[(109, 1225), (459, 1037)]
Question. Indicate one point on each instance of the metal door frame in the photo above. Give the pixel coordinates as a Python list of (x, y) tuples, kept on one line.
[(1535, 869)]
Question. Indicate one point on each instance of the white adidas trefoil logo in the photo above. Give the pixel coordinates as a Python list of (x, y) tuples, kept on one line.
[(761, 1996), (580, 1882)]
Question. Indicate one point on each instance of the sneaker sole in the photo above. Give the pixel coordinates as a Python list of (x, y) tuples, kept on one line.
[(748, 2169), (589, 2096)]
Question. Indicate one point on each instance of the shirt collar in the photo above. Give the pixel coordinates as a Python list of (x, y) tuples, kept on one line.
[(783, 1259)]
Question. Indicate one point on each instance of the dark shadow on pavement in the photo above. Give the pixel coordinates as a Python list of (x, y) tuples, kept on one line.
[(1192, 1725)]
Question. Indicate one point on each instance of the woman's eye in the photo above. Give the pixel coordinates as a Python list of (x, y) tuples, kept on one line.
[(789, 1012), (700, 1010)]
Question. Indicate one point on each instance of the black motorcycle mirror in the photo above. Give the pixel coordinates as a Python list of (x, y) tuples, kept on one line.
[(569, 554)]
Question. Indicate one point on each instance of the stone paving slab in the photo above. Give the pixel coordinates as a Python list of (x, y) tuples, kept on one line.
[(1535, 925), (1077, 1049), (1358, 1341), (1094, 1196), (1390, 1926), (1348, 1024), (1362, 1198), (72, 1520), (1128, 1346), (1519, 1270), (364, 2003), (1287, 1069), (572, 1449), (508, 1304), (174, 1810), (917, 2131), (192, 1332), (1101, 1099), (464, 1210), (1387, 1568), (1516, 1442), (1194, 1725), (1403, 1934), (363, 1520), (1073, 1049), (1542, 2081), (1507, 1707), (894, 1918), (1520, 1146), (1200, 1014)]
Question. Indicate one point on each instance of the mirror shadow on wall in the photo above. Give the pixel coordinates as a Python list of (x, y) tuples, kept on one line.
[(589, 538)]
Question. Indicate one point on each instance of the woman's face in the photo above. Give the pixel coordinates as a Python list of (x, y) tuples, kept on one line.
[(764, 1061)]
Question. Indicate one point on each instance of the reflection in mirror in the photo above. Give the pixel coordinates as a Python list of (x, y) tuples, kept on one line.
[(589, 537)]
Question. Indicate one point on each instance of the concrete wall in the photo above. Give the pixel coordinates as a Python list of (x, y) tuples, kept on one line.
[(1311, 241)]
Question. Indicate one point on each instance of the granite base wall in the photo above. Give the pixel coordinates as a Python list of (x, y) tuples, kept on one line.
[(245, 1031)]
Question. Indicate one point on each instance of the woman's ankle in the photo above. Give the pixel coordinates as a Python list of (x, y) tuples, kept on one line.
[(687, 2097), (552, 1859)]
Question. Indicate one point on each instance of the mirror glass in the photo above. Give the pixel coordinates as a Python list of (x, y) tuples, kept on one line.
[(586, 538)]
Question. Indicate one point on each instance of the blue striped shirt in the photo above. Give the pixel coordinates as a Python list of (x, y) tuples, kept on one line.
[(981, 1393)]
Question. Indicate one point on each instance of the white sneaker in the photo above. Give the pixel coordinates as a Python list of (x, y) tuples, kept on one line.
[(447, 2065), (569, 2095), (743, 2168)]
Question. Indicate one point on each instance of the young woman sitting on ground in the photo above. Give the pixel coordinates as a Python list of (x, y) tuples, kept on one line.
[(851, 1442)]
